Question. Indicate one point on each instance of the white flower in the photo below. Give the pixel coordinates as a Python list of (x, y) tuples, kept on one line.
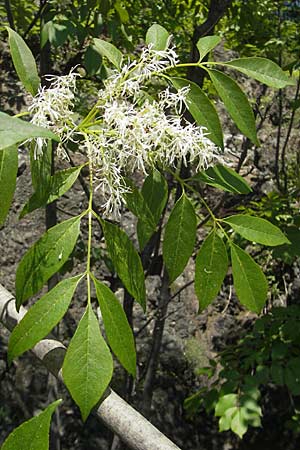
[(52, 108)]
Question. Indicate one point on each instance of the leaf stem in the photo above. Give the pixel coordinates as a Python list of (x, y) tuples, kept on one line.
[(90, 214)]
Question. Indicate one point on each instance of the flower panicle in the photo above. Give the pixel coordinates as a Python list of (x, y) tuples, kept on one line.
[(52, 107), (131, 134)]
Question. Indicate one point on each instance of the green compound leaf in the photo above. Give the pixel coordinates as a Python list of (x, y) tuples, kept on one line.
[(158, 37), (224, 178), (118, 332), (33, 434), (42, 317), (13, 131), (45, 258), (249, 281), (206, 44), (236, 103), (59, 184), (126, 261), (263, 70), (24, 62), (256, 229), (179, 238), (155, 194), (8, 176), (211, 268), (109, 51), (88, 364), (202, 109)]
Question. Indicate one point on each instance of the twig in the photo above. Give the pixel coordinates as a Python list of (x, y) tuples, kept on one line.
[(36, 17), (9, 13)]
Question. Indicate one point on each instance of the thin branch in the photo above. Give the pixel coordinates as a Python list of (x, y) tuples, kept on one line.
[(36, 17), (288, 134), (9, 14)]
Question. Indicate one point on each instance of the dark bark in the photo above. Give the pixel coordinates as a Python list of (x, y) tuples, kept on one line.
[(9, 13), (217, 10)]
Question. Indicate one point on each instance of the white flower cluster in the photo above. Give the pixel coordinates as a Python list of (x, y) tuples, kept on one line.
[(52, 108), (128, 133)]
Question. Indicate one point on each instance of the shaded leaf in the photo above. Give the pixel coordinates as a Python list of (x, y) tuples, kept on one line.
[(155, 194), (126, 261), (263, 70), (211, 268), (179, 238), (202, 109), (92, 60), (158, 37), (224, 178), (42, 317), (24, 62), (249, 281), (88, 364), (45, 258), (8, 176), (33, 434), (118, 331), (109, 51), (236, 103), (59, 184), (13, 131), (206, 44), (256, 229)]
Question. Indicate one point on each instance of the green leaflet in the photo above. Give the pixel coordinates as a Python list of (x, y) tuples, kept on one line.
[(224, 178), (263, 70), (41, 169), (42, 317), (13, 131), (126, 261), (256, 229), (92, 60), (109, 51), (8, 176), (88, 364), (236, 103), (249, 281), (59, 184), (117, 329), (136, 203), (33, 434), (206, 44), (201, 109), (24, 62), (155, 194), (211, 268), (45, 258), (158, 37), (179, 238)]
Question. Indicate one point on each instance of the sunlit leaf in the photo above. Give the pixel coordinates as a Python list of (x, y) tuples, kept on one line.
[(24, 62), (88, 364), (33, 434), (118, 331)]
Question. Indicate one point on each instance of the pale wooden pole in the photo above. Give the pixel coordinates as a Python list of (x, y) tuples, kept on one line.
[(136, 431)]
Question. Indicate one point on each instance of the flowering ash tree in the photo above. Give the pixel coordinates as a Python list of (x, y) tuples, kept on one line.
[(131, 129)]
